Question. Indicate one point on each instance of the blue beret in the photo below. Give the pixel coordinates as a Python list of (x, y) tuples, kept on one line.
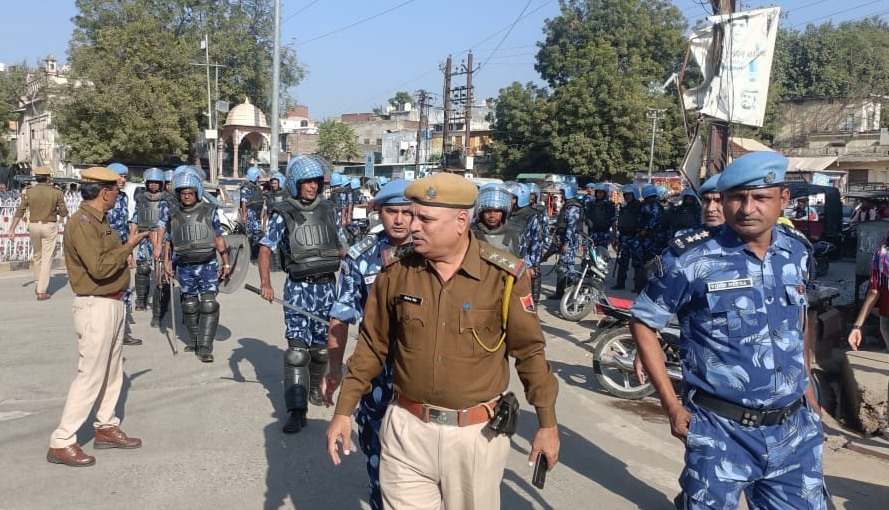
[(753, 170), (392, 194), (709, 185), (590, 185)]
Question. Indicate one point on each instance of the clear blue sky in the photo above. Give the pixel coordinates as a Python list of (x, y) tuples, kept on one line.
[(356, 68)]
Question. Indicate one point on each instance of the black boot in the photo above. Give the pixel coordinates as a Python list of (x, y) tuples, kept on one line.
[(160, 303), (207, 324), (561, 283), (296, 384), (143, 281), (621, 282), (191, 316), (295, 422), (639, 279), (317, 371)]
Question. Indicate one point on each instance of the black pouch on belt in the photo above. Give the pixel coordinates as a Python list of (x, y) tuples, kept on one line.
[(506, 415)]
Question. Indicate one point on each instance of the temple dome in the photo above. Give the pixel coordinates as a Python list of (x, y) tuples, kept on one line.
[(246, 114)]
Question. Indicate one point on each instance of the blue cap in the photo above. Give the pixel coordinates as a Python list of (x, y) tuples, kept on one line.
[(754, 170), (392, 194), (649, 190), (590, 185), (709, 185), (120, 168)]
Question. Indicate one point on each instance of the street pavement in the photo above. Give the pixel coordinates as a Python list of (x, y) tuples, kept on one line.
[(212, 432)]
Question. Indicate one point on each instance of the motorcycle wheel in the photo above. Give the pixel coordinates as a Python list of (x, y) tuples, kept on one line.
[(576, 309), (615, 380)]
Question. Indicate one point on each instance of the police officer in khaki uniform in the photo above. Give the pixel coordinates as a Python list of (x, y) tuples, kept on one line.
[(46, 206), (99, 275), (443, 306)]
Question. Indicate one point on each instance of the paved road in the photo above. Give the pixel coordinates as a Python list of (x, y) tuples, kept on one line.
[(212, 431)]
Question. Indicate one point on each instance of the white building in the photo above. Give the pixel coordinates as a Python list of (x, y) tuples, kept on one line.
[(37, 140)]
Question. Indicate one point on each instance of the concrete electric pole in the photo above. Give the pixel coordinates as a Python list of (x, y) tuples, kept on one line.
[(276, 83)]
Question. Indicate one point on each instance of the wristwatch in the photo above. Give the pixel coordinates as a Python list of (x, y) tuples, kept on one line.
[(855, 326)]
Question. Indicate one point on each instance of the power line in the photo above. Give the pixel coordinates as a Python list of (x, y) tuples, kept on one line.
[(313, 2), (831, 15), (486, 39), (505, 35), (365, 20)]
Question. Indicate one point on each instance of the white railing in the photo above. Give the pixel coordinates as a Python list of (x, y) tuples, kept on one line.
[(19, 249)]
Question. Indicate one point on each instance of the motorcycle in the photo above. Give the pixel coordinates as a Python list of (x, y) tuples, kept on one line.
[(581, 298), (822, 252), (615, 352)]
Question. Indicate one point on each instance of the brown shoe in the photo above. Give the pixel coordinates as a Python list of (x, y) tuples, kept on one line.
[(42, 296), (70, 455), (113, 437)]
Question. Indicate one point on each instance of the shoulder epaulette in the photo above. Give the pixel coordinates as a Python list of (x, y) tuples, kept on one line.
[(512, 265), (679, 244), (396, 253), (362, 246), (795, 234)]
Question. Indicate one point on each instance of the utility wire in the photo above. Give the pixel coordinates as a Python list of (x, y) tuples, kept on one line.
[(806, 22), (504, 36), (365, 20), (313, 2)]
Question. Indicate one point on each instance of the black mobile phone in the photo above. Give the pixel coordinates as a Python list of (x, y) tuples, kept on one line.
[(540, 467)]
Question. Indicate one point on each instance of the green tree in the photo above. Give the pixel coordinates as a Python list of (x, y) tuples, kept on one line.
[(400, 99), (134, 93), (12, 86), (599, 57), (336, 142), (519, 139)]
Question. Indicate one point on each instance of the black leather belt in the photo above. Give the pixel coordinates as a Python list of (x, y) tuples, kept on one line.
[(743, 415), (318, 279)]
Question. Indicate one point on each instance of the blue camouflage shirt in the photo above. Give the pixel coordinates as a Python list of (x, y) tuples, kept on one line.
[(530, 241), (741, 318), (572, 222), (118, 217), (358, 270)]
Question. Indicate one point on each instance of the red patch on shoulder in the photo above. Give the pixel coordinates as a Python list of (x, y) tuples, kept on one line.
[(85, 219), (528, 303)]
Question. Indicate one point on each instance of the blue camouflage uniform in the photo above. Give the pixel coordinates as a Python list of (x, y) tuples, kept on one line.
[(118, 217), (570, 239), (317, 298), (742, 328), (254, 218), (602, 237), (358, 270), (651, 223), (198, 278), (531, 242)]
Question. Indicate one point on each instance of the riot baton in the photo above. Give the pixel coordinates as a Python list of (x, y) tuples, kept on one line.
[(174, 338), (290, 307)]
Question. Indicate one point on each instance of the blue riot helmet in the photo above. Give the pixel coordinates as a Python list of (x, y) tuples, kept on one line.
[(120, 168), (688, 192), (179, 169), (495, 196), (534, 189), (512, 187), (304, 168), (168, 176), (153, 175), (382, 181), (336, 180), (253, 174), (188, 180), (277, 176), (631, 189), (570, 190), (663, 192), (602, 187), (523, 195), (355, 183), (391, 194), (649, 190), (591, 185)]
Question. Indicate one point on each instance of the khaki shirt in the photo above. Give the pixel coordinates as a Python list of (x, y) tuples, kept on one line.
[(95, 256), (45, 201), (437, 360)]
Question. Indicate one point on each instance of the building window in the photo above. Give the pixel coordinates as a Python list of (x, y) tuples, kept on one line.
[(847, 125), (367, 141), (379, 142), (857, 176), (303, 123)]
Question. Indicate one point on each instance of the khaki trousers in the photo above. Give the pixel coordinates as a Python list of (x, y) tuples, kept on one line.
[(425, 464), (43, 242), (99, 322)]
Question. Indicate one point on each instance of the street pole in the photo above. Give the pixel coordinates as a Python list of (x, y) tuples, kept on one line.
[(276, 82), (211, 145), (718, 141), (653, 115)]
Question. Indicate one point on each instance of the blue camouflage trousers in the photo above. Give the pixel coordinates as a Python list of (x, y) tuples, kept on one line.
[(567, 265), (369, 416), (315, 298), (601, 239), (253, 226), (777, 467), (145, 252), (199, 278), (630, 250)]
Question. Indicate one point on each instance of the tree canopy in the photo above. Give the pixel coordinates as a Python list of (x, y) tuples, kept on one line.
[(336, 142), (401, 98), (599, 58), (12, 86), (135, 92)]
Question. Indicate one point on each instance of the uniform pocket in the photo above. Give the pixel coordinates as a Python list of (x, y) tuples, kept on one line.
[(413, 319), (487, 326), (796, 304), (734, 313)]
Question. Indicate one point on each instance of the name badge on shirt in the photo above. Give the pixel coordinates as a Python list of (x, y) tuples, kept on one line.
[(740, 283), (368, 280), (411, 299)]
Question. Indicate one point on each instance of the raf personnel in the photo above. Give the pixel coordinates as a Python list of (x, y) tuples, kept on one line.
[(651, 232), (601, 215), (358, 271), (568, 225), (442, 308), (750, 421), (145, 217), (46, 206), (99, 275), (525, 220), (192, 235), (628, 242), (711, 203), (494, 205), (303, 227), (543, 222), (685, 216), (251, 209), (119, 219)]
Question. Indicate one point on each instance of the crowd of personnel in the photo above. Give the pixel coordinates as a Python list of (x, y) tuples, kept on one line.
[(444, 295)]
